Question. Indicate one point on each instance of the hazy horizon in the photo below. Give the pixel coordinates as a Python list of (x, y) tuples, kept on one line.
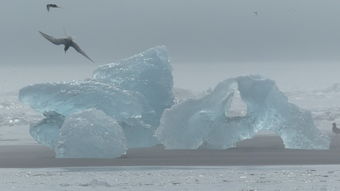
[(294, 42)]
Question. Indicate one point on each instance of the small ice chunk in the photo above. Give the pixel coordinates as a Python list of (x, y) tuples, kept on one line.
[(46, 131), (90, 134)]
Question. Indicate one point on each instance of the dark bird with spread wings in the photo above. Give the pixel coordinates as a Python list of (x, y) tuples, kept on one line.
[(48, 6), (67, 42)]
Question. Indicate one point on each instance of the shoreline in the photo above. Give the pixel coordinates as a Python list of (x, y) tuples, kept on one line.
[(36, 156)]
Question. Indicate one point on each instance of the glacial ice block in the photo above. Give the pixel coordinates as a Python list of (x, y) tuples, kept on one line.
[(46, 131), (134, 92), (138, 133), (70, 97), (127, 107), (148, 73), (90, 134), (206, 121)]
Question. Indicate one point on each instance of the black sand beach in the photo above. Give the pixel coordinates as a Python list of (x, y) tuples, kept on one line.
[(249, 152)]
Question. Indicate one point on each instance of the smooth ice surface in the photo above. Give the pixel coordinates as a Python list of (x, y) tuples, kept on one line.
[(206, 121), (46, 131), (90, 134), (134, 91)]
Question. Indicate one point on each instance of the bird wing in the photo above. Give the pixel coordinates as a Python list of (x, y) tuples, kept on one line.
[(56, 41), (48, 7), (77, 48)]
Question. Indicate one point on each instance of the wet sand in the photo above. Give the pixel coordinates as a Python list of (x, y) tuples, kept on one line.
[(260, 150), (36, 156)]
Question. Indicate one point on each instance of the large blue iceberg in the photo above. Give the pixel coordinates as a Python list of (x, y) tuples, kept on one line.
[(134, 92), (214, 121), (131, 104)]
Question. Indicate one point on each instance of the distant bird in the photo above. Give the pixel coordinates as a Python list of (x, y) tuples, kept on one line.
[(48, 6), (67, 42), (256, 13), (335, 129)]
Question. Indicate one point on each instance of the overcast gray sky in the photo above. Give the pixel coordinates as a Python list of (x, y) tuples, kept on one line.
[(294, 42)]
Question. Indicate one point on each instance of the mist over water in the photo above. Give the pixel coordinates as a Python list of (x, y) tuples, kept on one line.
[(192, 76), (295, 43), (289, 76), (14, 77)]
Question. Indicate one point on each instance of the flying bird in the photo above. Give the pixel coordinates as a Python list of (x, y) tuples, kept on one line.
[(48, 6), (67, 42)]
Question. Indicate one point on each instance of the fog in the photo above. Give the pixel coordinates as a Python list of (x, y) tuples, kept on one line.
[(295, 42)]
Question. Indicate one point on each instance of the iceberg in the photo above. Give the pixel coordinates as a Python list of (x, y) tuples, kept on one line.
[(210, 121), (90, 134), (134, 92), (148, 73), (131, 104)]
